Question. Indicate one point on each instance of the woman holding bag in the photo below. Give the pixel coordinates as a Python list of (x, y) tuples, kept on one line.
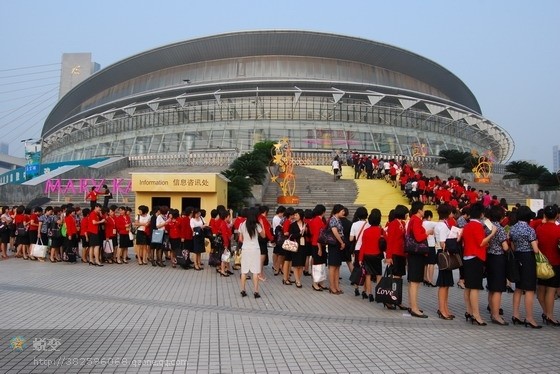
[(370, 255), (442, 231), (335, 250), (524, 243), (297, 233), (318, 253)]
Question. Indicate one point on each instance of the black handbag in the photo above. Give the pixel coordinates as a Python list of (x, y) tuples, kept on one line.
[(389, 289), (512, 267), (414, 247), (358, 276), (449, 261)]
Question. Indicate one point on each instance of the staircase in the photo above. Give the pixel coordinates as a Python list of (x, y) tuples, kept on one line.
[(316, 185), (495, 187)]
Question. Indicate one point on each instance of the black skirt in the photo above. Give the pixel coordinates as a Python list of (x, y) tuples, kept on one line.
[(416, 265), (318, 260), (398, 268), (474, 271), (298, 258), (496, 273), (445, 278), (553, 282), (527, 271), (372, 264), (334, 255), (198, 245)]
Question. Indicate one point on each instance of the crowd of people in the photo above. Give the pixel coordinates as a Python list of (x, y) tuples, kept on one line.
[(316, 243)]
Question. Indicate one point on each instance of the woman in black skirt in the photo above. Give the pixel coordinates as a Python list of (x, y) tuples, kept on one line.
[(496, 266), (524, 243), (442, 232), (298, 232)]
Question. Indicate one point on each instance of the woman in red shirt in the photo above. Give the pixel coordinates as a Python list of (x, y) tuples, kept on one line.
[(475, 242), (370, 255), (110, 242), (416, 262), (123, 224), (93, 233), (22, 238), (173, 227), (548, 236), (33, 229), (71, 231), (224, 230), (318, 254), (395, 257), (84, 235)]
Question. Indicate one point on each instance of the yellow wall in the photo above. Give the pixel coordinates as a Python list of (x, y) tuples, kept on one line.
[(211, 188)]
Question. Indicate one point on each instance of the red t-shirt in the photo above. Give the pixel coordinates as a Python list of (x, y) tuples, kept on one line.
[(473, 235), (185, 228), (110, 227), (315, 226), (370, 242), (71, 228), (92, 196), (92, 228), (121, 222), (35, 219), (548, 236), (173, 228), (395, 238), (266, 227), (84, 224)]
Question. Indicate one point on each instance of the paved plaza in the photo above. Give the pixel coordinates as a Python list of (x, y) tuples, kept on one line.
[(129, 318)]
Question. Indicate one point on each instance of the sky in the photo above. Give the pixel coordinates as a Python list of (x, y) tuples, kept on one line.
[(506, 51)]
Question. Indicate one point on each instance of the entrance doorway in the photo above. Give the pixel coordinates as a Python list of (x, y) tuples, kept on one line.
[(190, 201), (161, 201)]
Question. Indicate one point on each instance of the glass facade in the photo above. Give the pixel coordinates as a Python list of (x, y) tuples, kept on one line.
[(313, 122)]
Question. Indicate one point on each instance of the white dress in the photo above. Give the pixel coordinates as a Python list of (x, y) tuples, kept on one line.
[(251, 253)]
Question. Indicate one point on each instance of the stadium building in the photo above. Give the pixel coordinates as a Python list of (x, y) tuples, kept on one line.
[(223, 93)]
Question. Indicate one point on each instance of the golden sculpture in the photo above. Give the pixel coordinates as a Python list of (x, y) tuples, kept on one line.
[(285, 177), (483, 168)]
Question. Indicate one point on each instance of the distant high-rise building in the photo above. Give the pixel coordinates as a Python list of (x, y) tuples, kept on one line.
[(76, 67), (556, 158), (4, 148)]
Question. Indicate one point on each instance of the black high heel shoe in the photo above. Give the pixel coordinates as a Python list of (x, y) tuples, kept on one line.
[(474, 320), (440, 315), (402, 307), (469, 316), (371, 298), (527, 324), (516, 321), (390, 306), (243, 293), (501, 323), (356, 292), (501, 311), (364, 295), (549, 321), (257, 295), (414, 314)]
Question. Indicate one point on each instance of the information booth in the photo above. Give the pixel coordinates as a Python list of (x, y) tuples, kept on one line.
[(180, 190)]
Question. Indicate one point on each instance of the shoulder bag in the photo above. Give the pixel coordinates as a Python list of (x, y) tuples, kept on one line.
[(414, 247), (389, 289), (290, 245), (544, 269)]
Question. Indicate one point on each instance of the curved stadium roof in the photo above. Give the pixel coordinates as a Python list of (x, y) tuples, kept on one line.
[(262, 43)]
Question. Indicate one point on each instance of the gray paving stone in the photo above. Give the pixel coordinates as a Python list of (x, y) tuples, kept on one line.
[(148, 315)]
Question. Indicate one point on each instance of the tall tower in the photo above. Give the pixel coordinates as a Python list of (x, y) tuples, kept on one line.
[(76, 67), (555, 158)]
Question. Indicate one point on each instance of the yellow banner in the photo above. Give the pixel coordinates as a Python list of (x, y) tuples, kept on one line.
[(174, 182)]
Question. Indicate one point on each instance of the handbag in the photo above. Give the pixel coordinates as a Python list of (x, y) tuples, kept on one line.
[(319, 273), (226, 255), (21, 230), (290, 245), (414, 247), (237, 259), (131, 235), (512, 267), (544, 269), (39, 250), (449, 261), (108, 246), (358, 276), (389, 289), (326, 237), (157, 236)]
